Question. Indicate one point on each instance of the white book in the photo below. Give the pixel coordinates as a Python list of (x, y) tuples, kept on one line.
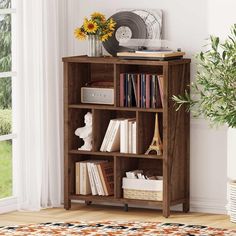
[(81, 173), (110, 133), (98, 190), (77, 177), (97, 180), (91, 179), (85, 187), (107, 135), (94, 177), (114, 142), (124, 136), (134, 138), (130, 136), (104, 139)]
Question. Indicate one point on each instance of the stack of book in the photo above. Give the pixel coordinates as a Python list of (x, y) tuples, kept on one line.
[(141, 90), (94, 177), (120, 136)]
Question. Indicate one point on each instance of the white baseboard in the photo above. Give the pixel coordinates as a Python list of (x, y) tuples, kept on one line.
[(8, 205), (214, 206)]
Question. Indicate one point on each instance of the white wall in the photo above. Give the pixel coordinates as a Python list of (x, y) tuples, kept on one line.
[(221, 15), (187, 23)]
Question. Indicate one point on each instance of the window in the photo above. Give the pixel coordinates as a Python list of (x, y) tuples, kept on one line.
[(7, 78)]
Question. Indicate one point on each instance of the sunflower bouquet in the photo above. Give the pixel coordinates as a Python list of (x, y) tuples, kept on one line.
[(96, 25)]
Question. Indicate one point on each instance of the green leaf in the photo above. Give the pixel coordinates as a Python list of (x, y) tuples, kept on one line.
[(213, 93)]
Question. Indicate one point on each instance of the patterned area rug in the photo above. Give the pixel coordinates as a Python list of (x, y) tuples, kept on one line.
[(110, 228)]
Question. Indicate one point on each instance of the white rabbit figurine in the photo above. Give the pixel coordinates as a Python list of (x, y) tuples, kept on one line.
[(86, 132)]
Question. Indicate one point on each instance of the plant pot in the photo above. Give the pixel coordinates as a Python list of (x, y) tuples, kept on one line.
[(94, 46), (231, 173)]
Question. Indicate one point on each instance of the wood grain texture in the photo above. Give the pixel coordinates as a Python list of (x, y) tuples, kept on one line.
[(174, 128), (166, 157), (179, 134), (104, 72), (116, 60), (67, 202), (81, 212)]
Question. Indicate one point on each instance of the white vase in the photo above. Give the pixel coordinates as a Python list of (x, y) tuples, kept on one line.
[(231, 173), (94, 46)]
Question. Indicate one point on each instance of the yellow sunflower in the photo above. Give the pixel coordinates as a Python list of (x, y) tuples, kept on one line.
[(98, 15), (90, 26), (111, 24), (110, 34), (104, 37), (79, 34)]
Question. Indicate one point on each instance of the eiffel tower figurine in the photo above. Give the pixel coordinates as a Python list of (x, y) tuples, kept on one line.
[(156, 144)]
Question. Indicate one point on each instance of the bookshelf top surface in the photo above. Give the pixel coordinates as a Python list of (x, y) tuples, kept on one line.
[(117, 60)]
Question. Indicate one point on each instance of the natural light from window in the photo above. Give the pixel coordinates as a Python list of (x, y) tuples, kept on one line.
[(7, 77)]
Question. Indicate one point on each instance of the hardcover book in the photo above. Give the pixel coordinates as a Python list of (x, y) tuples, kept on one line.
[(122, 89), (77, 178), (143, 91), (161, 86), (107, 170), (91, 179), (85, 187), (148, 82)]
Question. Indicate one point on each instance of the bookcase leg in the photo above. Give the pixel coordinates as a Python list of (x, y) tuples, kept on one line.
[(88, 203), (166, 211), (67, 204), (126, 207), (186, 206)]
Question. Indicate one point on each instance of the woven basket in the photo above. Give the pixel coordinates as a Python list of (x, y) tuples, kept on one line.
[(143, 194)]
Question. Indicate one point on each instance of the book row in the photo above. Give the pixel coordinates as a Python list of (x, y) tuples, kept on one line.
[(141, 90), (120, 136), (94, 177)]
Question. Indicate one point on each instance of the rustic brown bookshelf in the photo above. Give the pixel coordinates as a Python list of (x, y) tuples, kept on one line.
[(173, 165)]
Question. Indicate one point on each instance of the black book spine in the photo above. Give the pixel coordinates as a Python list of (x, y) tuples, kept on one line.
[(143, 91), (129, 83), (134, 90)]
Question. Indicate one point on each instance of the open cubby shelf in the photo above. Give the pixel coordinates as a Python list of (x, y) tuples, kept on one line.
[(174, 127)]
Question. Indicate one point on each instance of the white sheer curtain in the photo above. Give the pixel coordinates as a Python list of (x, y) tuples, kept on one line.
[(39, 142)]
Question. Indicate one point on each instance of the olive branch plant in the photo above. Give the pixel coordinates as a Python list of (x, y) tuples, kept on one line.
[(213, 93)]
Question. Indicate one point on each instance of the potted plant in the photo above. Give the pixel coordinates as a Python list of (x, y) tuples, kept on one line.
[(213, 96), (96, 29)]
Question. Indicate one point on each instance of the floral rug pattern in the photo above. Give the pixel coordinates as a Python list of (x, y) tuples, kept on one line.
[(114, 228)]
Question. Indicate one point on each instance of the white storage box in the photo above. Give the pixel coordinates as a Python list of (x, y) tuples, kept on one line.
[(143, 189)]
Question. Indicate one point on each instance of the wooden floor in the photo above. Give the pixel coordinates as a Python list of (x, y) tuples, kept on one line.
[(81, 212)]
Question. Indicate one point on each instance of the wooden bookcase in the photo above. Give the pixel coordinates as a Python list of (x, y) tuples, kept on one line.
[(173, 165)]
